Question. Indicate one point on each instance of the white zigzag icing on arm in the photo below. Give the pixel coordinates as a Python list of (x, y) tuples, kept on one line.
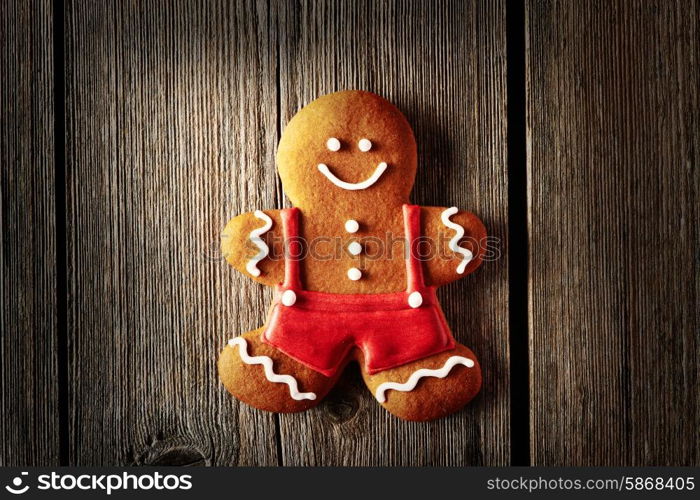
[(454, 242), (266, 361), (252, 265), (419, 374)]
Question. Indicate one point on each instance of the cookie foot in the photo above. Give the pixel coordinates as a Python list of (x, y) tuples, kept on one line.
[(430, 388), (264, 377)]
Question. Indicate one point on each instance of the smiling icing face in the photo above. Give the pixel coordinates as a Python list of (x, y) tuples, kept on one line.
[(347, 148)]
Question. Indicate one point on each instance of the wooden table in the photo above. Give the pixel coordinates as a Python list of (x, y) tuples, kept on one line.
[(132, 131)]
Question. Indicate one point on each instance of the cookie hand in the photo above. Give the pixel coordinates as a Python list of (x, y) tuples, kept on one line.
[(253, 244), (458, 243)]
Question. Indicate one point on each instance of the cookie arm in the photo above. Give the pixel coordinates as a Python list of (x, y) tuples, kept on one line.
[(453, 256), (253, 243)]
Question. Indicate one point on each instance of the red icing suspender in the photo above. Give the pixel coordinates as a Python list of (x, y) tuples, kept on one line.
[(414, 266), (292, 248)]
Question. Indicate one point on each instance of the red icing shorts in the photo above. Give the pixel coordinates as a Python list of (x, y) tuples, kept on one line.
[(320, 329)]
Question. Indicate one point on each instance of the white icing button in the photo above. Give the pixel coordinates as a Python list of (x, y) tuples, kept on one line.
[(364, 145), (352, 226), (415, 299), (289, 298), (355, 248), (333, 144), (354, 273)]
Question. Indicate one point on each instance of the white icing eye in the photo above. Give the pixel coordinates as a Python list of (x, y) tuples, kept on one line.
[(333, 144), (364, 145)]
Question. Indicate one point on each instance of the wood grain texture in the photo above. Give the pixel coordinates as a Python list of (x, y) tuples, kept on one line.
[(28, 344), (443, 65), (614, 149), (171, 130)]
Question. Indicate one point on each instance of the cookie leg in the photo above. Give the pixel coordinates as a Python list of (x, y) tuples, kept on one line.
[(430, 388), (262, 376)]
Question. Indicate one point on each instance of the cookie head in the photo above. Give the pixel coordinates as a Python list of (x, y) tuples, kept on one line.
[(347, 148)]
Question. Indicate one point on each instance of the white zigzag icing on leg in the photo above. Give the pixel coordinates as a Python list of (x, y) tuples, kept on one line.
[(419, 374), (266, 361)]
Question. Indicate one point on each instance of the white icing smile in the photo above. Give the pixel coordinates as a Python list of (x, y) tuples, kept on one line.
[(350, 186)]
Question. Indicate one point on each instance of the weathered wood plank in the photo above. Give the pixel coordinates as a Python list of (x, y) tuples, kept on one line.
[(614, 151), (172, 125), (443, 64), (28, 347)]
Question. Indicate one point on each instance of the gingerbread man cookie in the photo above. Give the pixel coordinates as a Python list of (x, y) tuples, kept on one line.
[(355, 267)]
